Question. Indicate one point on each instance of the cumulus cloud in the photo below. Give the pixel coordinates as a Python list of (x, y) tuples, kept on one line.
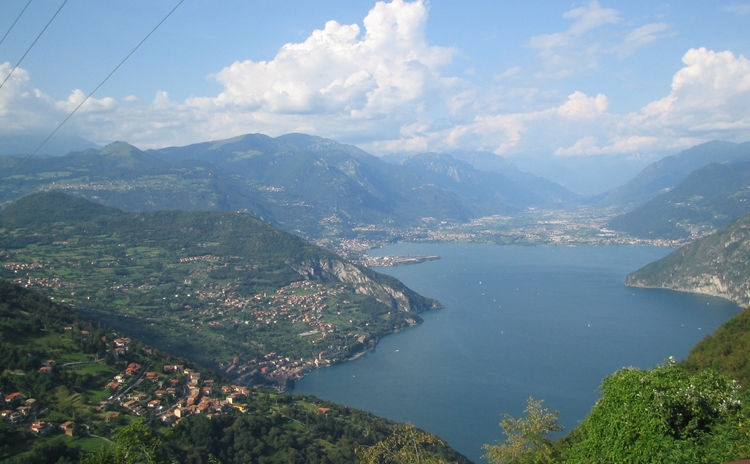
[(708, 100), (338, 71)]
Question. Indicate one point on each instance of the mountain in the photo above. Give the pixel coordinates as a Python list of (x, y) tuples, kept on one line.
[(487, 181), (544, 189), (709, 198), (308, 185), (668, 172), (713, 265), (58, 145), (185, 279)]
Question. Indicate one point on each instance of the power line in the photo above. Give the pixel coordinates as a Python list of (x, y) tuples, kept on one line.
[(32, 44), (93, 91), (14, 22)]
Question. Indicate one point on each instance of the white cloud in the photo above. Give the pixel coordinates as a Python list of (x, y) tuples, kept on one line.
[(584, 20), (592, 35), (382, 87), (642, 36), (709, 100), (337, 72)]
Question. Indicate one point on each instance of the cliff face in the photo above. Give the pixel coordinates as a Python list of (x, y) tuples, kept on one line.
[(388, 291), (717, 265)]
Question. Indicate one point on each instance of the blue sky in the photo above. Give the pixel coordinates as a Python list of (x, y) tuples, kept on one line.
[(556, 87)]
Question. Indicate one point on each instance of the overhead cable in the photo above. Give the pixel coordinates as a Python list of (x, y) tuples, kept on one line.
[(93, 91), (14, 22), (32, 44)]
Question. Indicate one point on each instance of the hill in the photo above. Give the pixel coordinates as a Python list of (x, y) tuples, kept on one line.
[(709, 198), (668, 172), (185, 279), (713, 265), (57, 386)]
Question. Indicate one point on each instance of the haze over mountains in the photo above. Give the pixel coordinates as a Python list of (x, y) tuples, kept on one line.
[(320, 188), (301, 183)]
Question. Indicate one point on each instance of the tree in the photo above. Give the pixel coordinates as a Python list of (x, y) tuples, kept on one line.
[(665, 415), (407, 445), (528, 437), (134, 443)]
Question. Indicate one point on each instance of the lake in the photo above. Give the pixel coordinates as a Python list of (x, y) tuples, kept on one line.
[(548, 322)]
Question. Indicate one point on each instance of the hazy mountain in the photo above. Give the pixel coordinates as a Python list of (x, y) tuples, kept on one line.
[(16, 145), (123, 176), (545, 190), (709, 198), (305, 184), (714, 265), (309, 179), (668, 172), (486, 190)]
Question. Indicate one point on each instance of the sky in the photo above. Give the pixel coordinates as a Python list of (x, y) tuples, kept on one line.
[(584, 93)]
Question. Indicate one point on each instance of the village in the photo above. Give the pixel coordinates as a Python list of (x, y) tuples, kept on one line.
[(167, 394)]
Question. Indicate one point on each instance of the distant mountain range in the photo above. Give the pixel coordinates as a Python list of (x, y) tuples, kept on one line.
[(305, 184), (57, 145), (686, 195), (714, 265), (709, 198), (668, 172)]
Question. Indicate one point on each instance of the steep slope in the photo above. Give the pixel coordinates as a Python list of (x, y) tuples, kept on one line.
[(183, 279), (709, 198), (715, 265), (671, 170), (488, 191)]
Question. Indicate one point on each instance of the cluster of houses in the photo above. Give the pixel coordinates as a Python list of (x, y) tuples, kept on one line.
[(17, 408), (176, 393)]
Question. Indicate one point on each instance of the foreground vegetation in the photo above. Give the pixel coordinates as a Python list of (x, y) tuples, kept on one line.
[(694, 411)]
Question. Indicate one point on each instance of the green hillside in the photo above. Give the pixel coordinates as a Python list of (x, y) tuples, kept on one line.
[(226, 423), (725, 351), (211, 286)]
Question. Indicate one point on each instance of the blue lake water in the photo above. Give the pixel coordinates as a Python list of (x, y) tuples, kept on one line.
[(550, 322)]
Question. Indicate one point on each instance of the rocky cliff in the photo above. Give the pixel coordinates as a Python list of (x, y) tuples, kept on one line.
[(388, 291), (717, 265)]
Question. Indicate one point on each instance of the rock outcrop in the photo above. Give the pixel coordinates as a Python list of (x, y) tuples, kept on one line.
[(387, 290)]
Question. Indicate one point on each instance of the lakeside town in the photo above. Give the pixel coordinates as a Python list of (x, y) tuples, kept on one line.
[(582, 226)]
